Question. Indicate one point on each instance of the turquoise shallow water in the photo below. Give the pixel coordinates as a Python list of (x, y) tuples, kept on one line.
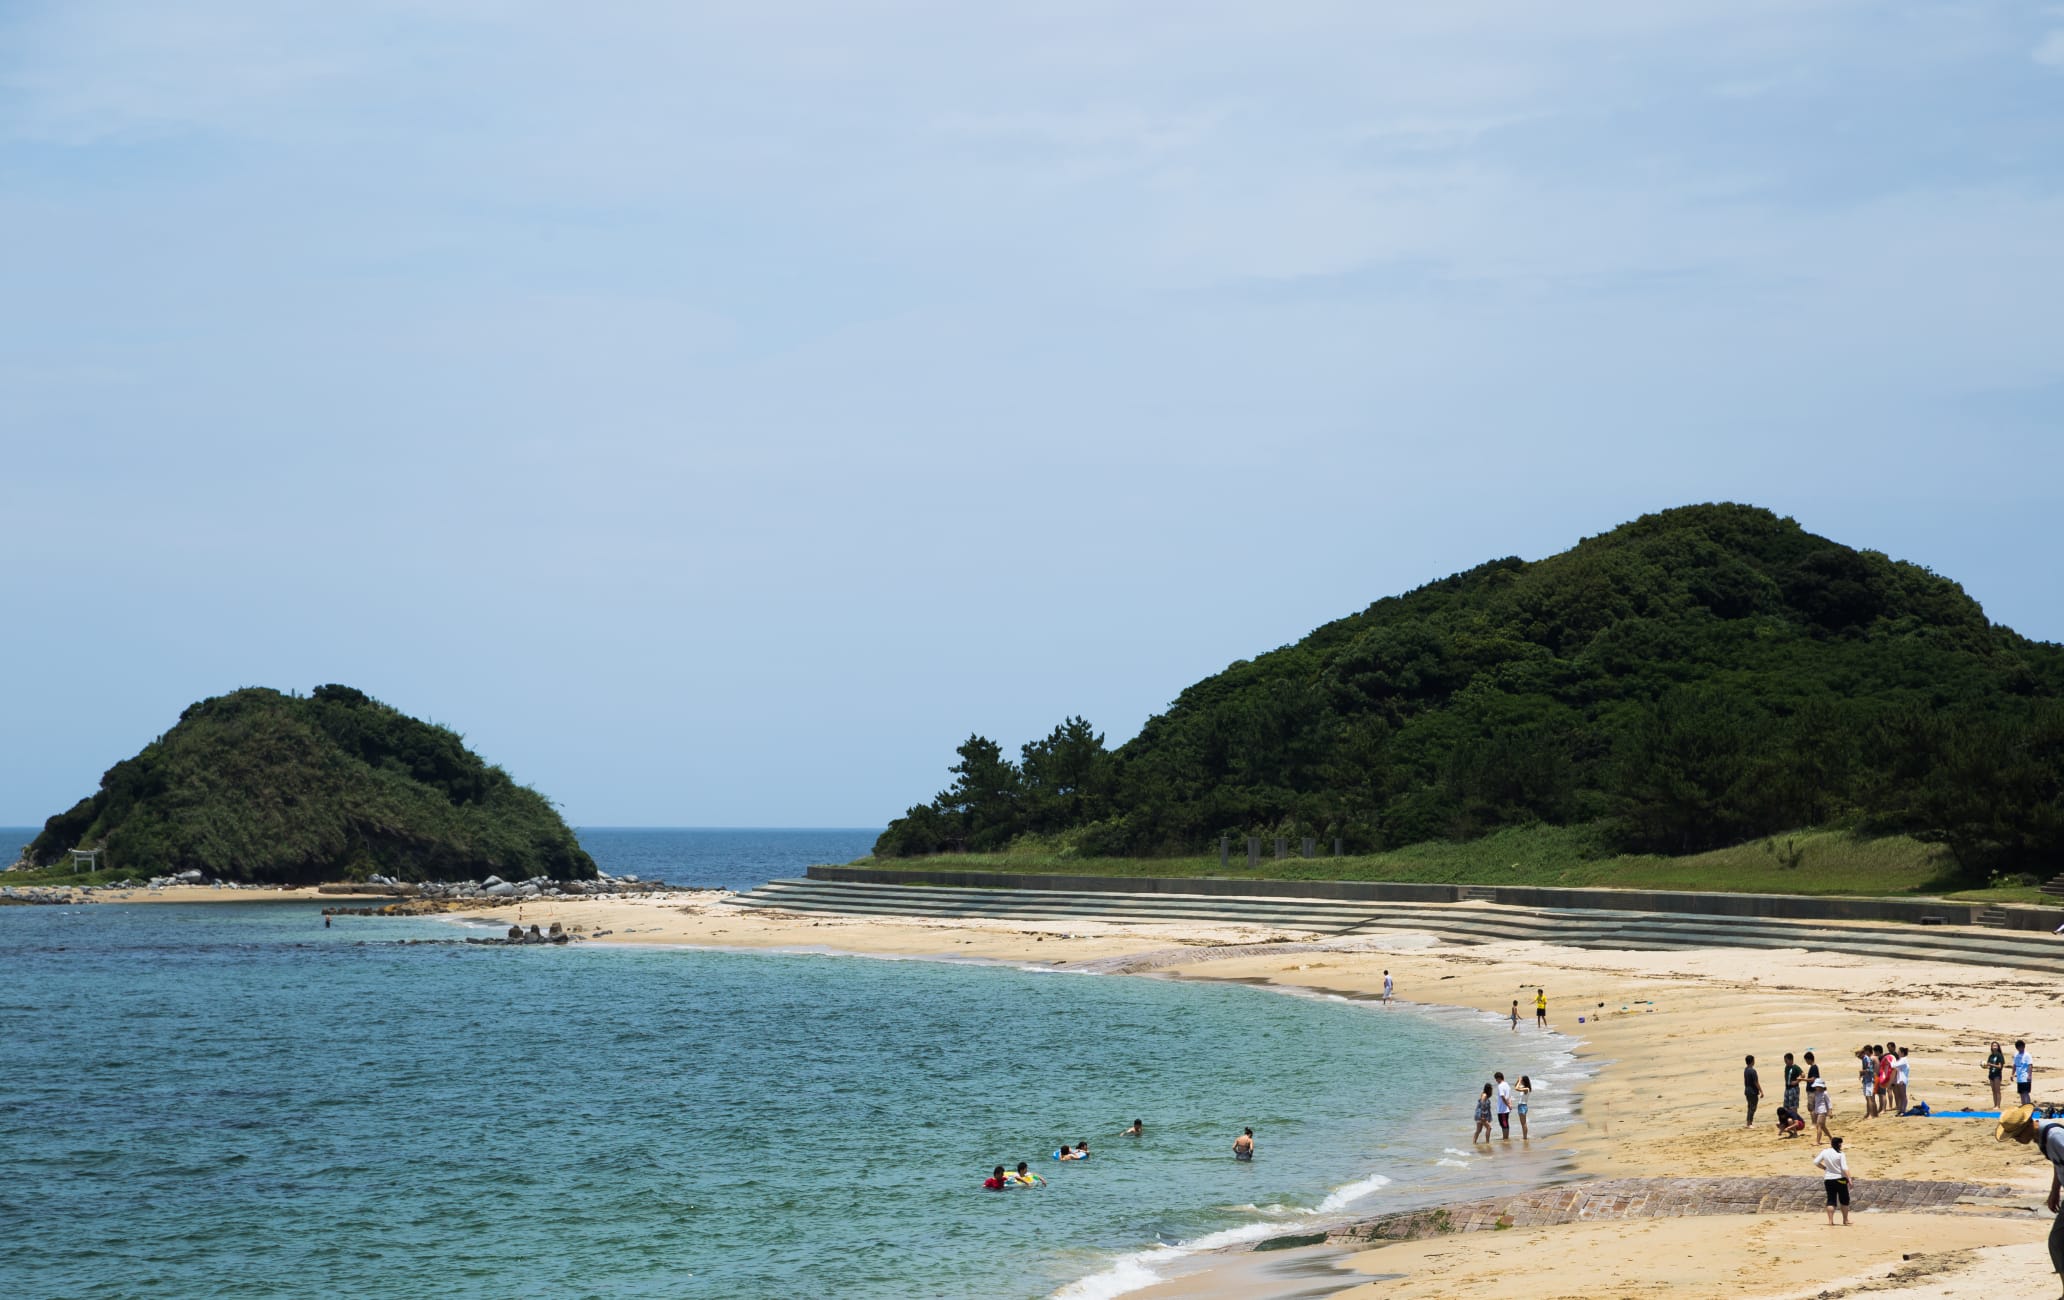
[(228, 1100)]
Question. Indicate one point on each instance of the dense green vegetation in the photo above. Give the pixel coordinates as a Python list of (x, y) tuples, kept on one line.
[(257, 785), (1808, 862), (1699, 678)]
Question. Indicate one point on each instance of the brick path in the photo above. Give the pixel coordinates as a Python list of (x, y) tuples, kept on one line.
[(1659, 1198)]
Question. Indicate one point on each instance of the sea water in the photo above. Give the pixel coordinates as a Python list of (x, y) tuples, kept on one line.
[(228, 1099), (707, 857)]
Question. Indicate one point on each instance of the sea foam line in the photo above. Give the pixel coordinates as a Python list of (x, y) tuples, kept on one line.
[(1138, 1269)]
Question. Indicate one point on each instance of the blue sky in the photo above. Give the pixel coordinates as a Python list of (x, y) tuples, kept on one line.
[(718, 411)]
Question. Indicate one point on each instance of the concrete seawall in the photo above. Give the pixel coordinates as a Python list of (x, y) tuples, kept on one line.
[(1792, 907)]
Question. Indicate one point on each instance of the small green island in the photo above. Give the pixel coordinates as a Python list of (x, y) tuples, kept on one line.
[(264, 787), (1708, 697)]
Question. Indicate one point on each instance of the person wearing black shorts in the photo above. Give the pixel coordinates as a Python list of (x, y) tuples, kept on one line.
[(1834, 1175)]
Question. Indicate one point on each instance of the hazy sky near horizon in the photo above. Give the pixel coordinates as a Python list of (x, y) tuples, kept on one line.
[(718, 411)]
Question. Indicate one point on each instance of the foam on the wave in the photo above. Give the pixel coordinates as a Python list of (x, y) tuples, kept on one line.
[(1137, 1270), (1347, 1194)]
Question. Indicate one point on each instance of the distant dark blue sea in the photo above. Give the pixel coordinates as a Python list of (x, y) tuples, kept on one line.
[(229, 1100), (718, 857)]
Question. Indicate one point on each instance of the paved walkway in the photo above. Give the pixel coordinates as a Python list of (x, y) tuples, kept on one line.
[(1666, 1198)]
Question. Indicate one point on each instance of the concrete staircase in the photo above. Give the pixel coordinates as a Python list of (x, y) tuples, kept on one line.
[(2054, 887), (1466, 923), (1993, 918)]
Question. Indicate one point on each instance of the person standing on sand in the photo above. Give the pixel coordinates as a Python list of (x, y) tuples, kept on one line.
[(1834, 1173), (2021, 1125), (1540, 1008), (1866, 1072), (1899, 1079), (1504, 1106), (1792, 1075), (2024, 1072), (1995, 1066), (1752, 1088), (1483, 1117), (1526, 1092), (1821, 1106), (1386, 988)]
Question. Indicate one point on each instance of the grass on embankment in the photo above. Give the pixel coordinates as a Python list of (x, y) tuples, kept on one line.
[(62, 874), (1808, 862)]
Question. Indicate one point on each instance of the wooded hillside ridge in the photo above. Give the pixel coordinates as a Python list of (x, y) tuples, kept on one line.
[(262, 786), (1701, 677)]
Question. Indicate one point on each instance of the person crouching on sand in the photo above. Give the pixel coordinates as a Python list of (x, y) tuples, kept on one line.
[(1483, 1117), (2022, 1125), (1243, 1145), (1789, 1123)]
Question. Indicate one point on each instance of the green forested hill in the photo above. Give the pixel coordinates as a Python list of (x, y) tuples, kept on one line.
[(1696, 678), (261, 786)]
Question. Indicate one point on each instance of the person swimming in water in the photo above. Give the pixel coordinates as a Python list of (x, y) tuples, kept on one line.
[(1025, 1178), (1243, 1145), (1066, 1153), (995, 1182), (1082, 1150), (1138, 1127)]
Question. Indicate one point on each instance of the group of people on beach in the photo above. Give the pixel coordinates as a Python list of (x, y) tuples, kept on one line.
[(1502, 1101), (1003, 1180), (1832, 1162), (1884, 1072)]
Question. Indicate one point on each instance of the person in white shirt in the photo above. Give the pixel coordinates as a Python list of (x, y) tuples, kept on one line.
[(2021, 1125), (2024, 1071), (1504, 1106), (1820, 1106), (1386, 988), (1834, 1173), (1899, 1081)]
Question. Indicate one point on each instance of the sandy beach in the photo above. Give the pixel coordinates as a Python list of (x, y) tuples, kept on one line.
[(1665, 1033)]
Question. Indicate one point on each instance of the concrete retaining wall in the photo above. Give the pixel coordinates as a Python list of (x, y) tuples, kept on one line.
[(1794, 907), (1357, 891)]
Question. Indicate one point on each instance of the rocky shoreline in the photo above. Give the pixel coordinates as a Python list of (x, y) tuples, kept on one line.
[(413, 897)]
